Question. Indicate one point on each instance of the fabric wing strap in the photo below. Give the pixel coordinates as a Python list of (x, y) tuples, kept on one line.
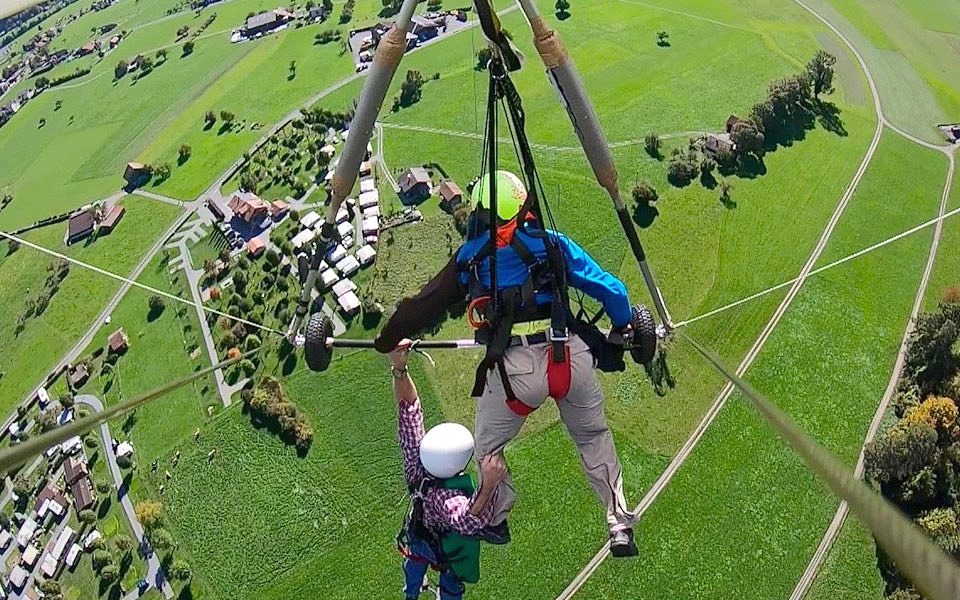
[(513, 403)]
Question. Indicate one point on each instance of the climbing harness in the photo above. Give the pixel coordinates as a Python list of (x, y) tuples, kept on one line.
[(458, 553)]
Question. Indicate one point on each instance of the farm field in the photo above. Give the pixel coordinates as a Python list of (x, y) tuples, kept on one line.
[(850, 570), (159, 352), (910, 53), (834, 329), (80, 298)]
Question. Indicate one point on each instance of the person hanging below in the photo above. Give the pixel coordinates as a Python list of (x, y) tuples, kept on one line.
[(447, 512), (535, 347)]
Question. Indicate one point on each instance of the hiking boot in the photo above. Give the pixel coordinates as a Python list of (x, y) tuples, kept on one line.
[(496, 534), (622, 544)]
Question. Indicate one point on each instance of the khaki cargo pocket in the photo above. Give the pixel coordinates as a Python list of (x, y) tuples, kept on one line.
[(518, 362)]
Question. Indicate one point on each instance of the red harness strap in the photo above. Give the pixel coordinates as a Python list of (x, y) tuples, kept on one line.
[(558, 376), (558, 384)]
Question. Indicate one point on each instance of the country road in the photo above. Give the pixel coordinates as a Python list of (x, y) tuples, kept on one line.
[(155, 574), (687, 449), (833, 530)]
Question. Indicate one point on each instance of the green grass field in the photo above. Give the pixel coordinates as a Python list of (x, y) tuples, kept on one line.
[(81, 297), (850, 570), (909, 48), (741, 487)]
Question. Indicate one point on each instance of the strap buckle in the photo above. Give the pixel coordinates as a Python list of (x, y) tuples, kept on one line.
[(555, 336)]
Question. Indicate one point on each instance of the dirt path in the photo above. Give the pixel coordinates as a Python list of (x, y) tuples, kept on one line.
[(833, 530)]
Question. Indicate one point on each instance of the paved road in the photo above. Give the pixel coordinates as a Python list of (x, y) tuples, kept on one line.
[(728, 389), (193, 282), (154, 571)]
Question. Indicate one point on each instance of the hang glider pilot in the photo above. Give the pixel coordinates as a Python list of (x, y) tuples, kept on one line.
[(535, 346)]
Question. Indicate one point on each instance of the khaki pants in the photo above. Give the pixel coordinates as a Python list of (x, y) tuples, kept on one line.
[(581, 411)]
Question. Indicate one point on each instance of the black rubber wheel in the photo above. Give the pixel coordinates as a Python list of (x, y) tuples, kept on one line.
[(318, 354), (644, 335)]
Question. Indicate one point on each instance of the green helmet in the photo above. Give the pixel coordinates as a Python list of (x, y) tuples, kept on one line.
[(511, 194)]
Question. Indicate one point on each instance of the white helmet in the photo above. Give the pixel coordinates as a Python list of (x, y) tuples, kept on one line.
[(446, 449)]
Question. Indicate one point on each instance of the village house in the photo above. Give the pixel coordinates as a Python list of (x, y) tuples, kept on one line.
[(279, 209), (256, 247), (135, 173), (414, 185), (714, 144), (451, 196), (78, 376), (118, 342), (80, 225), (74, 469), (113, 217), (424, 28), (82, 493), (249, 207)]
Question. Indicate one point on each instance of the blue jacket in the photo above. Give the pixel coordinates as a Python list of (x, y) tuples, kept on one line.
[(449, 287), (583, 272)]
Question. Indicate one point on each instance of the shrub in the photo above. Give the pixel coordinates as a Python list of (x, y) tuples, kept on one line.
[(124, 462), (644, 194), (682, 171), (101, 558), (233, 353), (652, 145), (251, 342), (247, 366)]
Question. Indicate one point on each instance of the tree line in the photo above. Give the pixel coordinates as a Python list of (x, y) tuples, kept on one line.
[(269, 404), (915, 461)]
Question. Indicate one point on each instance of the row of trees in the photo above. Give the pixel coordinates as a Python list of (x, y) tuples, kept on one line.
[(916, 461), (151, 516), (269, 403), (37, 304), (347, 13), (43, 82)]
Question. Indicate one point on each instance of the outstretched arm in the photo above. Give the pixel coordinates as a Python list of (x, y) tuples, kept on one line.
[(409, 415), (587, 276), (418, 313)]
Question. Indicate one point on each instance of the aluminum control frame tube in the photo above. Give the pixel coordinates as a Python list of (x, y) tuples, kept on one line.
[(566, 79), (385, 62)]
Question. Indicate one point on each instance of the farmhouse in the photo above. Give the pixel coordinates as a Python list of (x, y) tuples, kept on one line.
[(118, 342), (248, 207), (266, 22), (87, 48), (369, 199), (113, 217), (715, 144), (124, 449), (414, 185), (5, 539), (62, 543), (48, 566), (78, 376), (450, 195), (255, 247), (80, 225), (135, 173)]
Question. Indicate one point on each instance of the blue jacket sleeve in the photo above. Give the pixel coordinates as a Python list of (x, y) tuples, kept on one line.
[(587, 276)]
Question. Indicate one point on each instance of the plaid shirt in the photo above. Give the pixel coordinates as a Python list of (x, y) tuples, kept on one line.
[(443, 509)]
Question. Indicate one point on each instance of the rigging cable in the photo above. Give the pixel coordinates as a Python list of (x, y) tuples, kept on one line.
[(135, 283)]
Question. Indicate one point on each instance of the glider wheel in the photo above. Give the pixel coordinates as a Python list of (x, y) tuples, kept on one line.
[(318, 355), (644, 345)]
